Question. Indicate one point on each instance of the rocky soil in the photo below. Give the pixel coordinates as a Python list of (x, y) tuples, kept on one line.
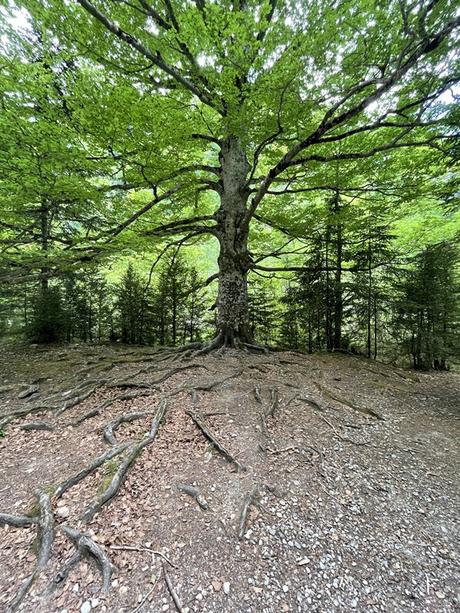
[(335, 487)]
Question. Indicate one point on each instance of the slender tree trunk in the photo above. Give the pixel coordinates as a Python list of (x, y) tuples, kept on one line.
[(376, 327), (329, 334), (337, 297), (234, 259), (44, 231)]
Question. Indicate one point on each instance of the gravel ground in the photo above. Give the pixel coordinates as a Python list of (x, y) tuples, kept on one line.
[(354, 479)]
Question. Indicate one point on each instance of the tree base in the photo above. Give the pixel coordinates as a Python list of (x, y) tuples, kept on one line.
[(231, 340)]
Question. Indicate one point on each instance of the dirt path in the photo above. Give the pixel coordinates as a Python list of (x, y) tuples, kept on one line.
[(340, 494)]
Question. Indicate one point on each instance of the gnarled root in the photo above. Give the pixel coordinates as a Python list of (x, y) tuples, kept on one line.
[(88, 548), (99, 461), (46, 536), (17, 521), (115, 423), (120, 475)]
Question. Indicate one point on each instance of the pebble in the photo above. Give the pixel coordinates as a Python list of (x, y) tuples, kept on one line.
[(85, 607), (226, 587)]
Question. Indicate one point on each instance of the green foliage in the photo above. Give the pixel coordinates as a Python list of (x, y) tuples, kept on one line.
[(132, 306), (427, 312), (47, 321), (112, 152)]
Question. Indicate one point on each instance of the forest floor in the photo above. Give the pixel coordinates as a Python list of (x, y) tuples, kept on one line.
[(339, 491)]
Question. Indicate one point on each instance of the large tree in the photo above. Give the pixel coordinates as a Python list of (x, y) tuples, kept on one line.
[(228, 110)]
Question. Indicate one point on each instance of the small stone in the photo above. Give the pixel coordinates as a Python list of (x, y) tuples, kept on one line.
[(165, 607), (75, 588), (94, 602), (258, 590), (226, 587), (440, 595), (63, 512), (85, 607), (217, 585), (285, 588), (115, 583)]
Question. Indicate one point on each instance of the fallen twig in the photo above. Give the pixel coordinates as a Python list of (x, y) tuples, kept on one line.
[(142, 549), (172, 591)]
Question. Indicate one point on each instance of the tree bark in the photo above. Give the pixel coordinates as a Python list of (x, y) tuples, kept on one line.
[(234, 260)]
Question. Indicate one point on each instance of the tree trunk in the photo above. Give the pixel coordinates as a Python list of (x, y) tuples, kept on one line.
[(234, 260)]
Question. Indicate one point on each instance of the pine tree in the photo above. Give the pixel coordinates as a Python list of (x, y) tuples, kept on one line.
[(427, 313)]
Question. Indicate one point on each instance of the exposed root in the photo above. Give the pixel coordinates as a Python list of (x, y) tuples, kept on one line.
[(99, 461), (247, 503), (311, 402), (61, 576), (72, 402), (342, 438), (257, 394), (172, 591), (37, 425), (194, 492), (88, 548), (206, 387), (201, 423), (120, 398), (22, 412), (162, 379), (121, 473), (348, 404), (216, 343), (229, 341), (46, 536), (18, 521), (274, 402), (257, 348), (33, 389), (115, 423), (270, 412)]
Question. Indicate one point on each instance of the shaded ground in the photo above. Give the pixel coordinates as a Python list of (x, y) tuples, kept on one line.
[(348, 511)]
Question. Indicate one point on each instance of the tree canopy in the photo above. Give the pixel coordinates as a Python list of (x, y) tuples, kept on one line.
[(142, 125)]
